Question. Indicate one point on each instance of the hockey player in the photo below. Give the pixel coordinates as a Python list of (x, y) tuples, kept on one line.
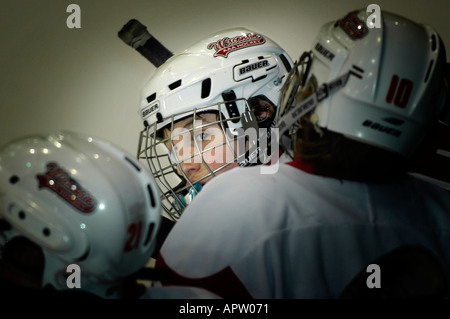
[(78, 218), (203, 110), (346, 200)]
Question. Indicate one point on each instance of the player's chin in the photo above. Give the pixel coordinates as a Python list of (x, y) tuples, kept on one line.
[(218, 169), (203, 180), (224, 170)]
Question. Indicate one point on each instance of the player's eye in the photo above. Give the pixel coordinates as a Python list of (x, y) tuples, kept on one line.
[(174, 155), (202, 136)]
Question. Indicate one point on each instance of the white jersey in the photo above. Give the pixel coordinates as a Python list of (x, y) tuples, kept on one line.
[(297, 235)]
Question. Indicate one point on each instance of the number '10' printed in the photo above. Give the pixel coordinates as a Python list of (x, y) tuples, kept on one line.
[(399, 93)]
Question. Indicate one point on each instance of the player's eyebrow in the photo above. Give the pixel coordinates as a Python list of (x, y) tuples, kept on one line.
[(188, 126), (198, 117)]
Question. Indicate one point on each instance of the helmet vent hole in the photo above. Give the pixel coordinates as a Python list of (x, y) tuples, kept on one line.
[(135, 166), (159, 117), (22, 215), (14, 179), (433, 43), (359, 72), (175, 84), (46, 232), (357, 68), (260, 78), (151, 97), (152, 196), (286, 63), (206, 88), (151, 226)]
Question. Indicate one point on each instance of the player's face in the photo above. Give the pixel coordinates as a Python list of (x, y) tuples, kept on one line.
[(201, 148)]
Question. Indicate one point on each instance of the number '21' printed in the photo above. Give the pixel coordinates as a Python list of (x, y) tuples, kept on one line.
[(134, 236)]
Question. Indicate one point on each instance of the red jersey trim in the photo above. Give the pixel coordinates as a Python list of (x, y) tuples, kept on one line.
[(224, 283), (302, 165)]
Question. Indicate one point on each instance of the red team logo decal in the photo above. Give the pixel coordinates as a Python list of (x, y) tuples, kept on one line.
[(353, 26), (58, 180), (226, 45)]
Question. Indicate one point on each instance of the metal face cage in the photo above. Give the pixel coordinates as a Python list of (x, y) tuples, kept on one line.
[(159, 147)]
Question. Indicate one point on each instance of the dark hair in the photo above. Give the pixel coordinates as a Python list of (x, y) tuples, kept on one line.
[(334, 155)]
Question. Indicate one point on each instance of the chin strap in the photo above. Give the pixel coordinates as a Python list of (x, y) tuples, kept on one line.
[(185, 200)]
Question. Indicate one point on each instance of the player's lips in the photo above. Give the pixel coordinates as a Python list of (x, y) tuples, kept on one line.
[(202, 182)]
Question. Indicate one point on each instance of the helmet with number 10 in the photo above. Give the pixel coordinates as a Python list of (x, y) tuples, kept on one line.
[(396, 88)]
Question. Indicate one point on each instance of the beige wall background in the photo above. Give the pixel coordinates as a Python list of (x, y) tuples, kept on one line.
[(88, 80)]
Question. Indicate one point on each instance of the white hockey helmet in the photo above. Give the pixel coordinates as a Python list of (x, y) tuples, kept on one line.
[(396, 87), (228, 73), (84, 202)]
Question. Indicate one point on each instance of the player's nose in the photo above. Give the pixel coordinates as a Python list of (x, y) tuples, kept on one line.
[(190, 169)]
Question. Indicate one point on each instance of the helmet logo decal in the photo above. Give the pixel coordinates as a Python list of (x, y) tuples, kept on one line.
[(382, 128), (254, 66), (323, 51), (149, 110), (59, 181), (353, 26), (227, 45)]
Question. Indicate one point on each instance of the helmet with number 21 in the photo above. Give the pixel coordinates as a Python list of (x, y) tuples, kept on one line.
[(70, 199)]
